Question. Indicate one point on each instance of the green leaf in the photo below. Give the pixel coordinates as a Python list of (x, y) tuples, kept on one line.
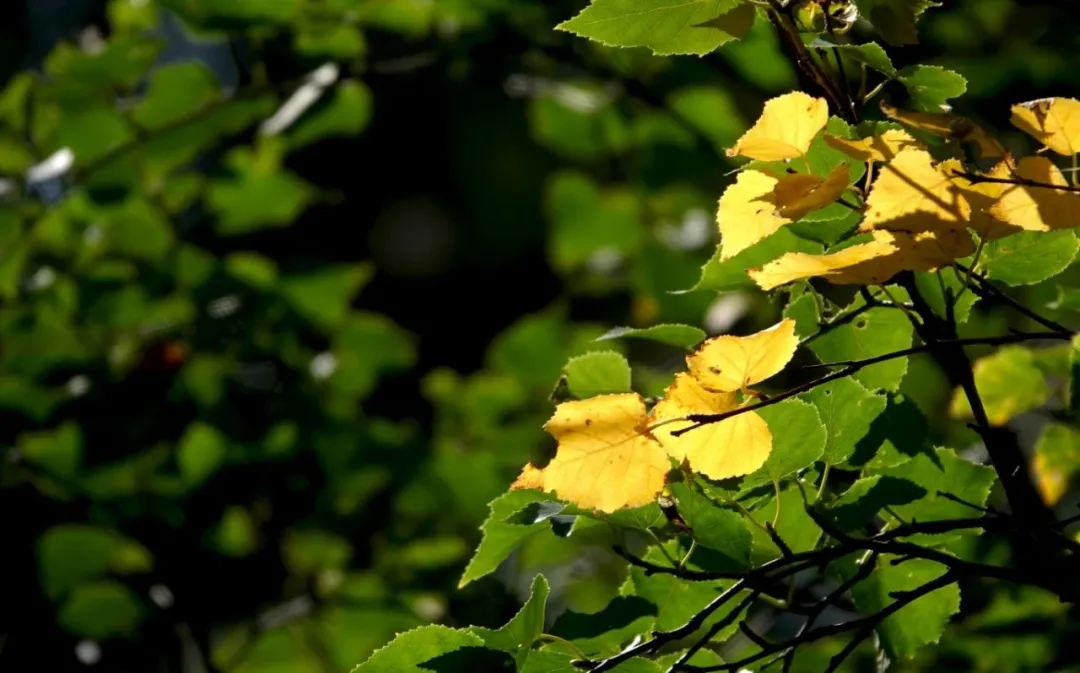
[(937, 289), (517, 636), (684, 336), (898, 433), (345, 111), (1009, 382), (605, 632), (500, 537), (70, 554), (921, 622), (323, 295), (59, 450), (259, 194), (870, 54), (794, 525), (930, 86), (92, 134), (941, 471), (676, 600), (1029, 257), (177, 91), (1074, 378), (200, 453), (730, 274), (847, 409), (895, 19), (637, 518), (588, 221), (1057, 461), (877, 331), (101, 609), (408, 651), (719, 529), (798, 441), (598, 373), (868, 497), (803, 309), (664, 26)]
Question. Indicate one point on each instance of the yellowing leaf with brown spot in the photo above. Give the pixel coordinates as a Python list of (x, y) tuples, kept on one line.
[(861, 264), (606, 459), (744, 215), (1038, 208), (875, 148), (731, 448), (949, 126), (798, 194), (729, 363), (785, 128), (1054, 122), (912, 194)]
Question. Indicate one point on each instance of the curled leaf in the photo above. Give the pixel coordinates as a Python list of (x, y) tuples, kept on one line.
[(1054, 122)]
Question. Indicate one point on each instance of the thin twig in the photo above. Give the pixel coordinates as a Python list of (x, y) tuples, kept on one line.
[(849, 367)]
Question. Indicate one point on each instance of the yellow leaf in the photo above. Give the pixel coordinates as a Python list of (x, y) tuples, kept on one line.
[(1052, 482), (982, 196), (1054, 122), (949, 126), (797, 194), (744, 215), (530, 477), (729, 363), (929, 250), (912, 194), (861, 264), (785, 128), (1038, 208), (731, 448), (875, 148), (869, 263), (606, 458)]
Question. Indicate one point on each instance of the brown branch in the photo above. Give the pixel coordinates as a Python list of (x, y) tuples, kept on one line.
[(987, 290), (1021, 182)]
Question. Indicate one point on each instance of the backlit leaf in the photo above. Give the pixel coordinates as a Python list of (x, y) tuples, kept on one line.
[(728, 363), (785, 129), (1009, 383), (1054, 122), (605, 459), (665, 26), (730, 448)]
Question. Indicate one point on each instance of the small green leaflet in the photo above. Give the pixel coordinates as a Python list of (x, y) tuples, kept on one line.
[(847, 408), (895, 19), (870, 54), (664, 26), (598, 373), (930, 86)]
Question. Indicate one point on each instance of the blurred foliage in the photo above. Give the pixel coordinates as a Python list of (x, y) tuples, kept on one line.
[(286, 285)]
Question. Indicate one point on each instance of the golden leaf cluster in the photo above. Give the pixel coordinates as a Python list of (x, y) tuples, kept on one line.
[(613, 452), (918, 213)]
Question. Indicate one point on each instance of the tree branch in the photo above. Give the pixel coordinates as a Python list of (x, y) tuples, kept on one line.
[(849, 367)]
